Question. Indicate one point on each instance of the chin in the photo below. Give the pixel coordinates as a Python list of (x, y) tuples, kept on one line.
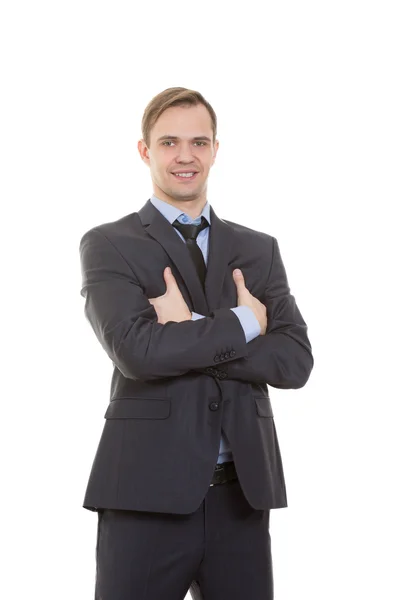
[(188, 196)]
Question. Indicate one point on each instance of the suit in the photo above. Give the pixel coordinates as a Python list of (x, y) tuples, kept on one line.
[(247, 318), (184, 383)]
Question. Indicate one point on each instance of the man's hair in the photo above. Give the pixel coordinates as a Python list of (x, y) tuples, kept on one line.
[(175, 96)]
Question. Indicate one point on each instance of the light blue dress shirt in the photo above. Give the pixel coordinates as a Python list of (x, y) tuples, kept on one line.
[(247, 318)]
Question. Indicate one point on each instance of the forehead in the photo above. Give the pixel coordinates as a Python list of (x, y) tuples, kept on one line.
[(183, 121)]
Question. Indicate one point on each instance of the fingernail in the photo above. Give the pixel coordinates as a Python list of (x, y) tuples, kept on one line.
[(237, 271)]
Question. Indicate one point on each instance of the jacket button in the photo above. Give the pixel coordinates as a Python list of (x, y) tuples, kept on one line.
[(232, 353), (214, 406), (227, 354), (210, 370), (222, 375), (217, 358)]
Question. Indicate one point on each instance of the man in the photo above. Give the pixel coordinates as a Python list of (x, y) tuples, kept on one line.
[(188, 465)]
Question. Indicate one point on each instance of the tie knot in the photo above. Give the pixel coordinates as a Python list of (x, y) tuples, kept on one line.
[(190, 231)]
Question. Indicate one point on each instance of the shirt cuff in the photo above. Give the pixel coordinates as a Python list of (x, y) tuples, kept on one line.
[(248, 321), (196, 316)]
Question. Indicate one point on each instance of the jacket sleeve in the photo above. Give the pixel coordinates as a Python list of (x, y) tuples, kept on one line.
[(247, 318), (126, 326), (282, 357)]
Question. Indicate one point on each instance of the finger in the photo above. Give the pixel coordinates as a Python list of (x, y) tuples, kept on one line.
[(169, 278), (239, 279)]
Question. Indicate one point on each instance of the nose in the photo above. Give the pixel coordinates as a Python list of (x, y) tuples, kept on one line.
[(185, 152)]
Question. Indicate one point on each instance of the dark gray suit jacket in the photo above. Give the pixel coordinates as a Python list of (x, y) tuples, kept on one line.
[(174, 386)]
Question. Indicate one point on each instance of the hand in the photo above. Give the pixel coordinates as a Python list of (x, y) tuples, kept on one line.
[(171, 306), (245, 298)]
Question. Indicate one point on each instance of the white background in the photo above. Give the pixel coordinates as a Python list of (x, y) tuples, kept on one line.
[(307, 99)]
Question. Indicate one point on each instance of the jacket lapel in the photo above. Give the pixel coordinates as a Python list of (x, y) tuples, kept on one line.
[(220, 243), (219, 252)]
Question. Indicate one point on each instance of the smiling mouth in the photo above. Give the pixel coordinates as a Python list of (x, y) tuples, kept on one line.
[(189, 176)]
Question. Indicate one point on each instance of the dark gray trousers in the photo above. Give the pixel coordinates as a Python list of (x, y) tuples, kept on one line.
[(220, 552)]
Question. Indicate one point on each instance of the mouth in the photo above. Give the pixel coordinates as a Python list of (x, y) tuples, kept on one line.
[(185, 177)]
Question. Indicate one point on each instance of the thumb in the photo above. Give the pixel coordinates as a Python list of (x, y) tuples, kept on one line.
[(239, 279), (169, 278)]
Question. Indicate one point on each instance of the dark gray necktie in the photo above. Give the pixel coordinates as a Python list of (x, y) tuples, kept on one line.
[(190, 233)]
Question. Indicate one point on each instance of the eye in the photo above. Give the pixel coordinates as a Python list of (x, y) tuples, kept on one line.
[(202, 143), (167, 142)]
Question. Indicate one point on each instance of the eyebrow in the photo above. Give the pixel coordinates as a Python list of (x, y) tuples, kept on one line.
[(174, 137)]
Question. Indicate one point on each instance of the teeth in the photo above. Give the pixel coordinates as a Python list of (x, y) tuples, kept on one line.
[(184, 174)]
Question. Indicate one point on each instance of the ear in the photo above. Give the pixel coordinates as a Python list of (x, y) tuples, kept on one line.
[(216, 146), (143, 151)]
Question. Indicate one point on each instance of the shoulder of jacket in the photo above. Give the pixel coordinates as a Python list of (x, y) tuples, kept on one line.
[(248, 231), (112, 228)]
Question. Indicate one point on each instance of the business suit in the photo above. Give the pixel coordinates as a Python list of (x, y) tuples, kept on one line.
[(182, 383)]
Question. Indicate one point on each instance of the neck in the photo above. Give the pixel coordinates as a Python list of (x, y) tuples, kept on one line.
[(193, 208)]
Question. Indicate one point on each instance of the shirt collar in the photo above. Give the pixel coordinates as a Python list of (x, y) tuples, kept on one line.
[(171, 213)]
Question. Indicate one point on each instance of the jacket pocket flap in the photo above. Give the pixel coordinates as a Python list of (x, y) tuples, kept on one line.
[(138, 408), (263, 404)]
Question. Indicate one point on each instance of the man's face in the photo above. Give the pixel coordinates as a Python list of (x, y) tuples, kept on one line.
[(174, 148)]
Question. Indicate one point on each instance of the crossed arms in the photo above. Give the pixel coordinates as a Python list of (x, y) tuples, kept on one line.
[(126, 325)]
